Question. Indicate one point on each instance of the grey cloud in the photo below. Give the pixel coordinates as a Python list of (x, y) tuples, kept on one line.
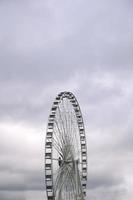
[(31, 195), (102, 42), (82, 46), (11, 197), (126, 140), (106, 179), (109, 194), (16, 176), (33, 183)]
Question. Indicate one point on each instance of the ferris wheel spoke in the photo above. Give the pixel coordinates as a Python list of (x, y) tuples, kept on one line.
[(71, 180), (56, 145), (64, 180), (68, 128), (57, 140), (59, 179), (59, 134), (74, 140), (65, 130), (63, 150), (61, 120), (72, 128), (57, 182), (70, 116), (57, 148), (69, 124), (72, 184), (68, 152), (79, 186), (65, 118), (64, 124)]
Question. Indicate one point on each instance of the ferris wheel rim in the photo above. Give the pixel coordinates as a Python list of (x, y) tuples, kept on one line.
[(49, 148)]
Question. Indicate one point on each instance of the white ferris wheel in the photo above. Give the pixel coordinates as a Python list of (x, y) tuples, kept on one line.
[(65, 150)]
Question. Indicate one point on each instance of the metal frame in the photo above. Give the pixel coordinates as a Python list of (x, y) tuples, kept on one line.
[(79, 177)]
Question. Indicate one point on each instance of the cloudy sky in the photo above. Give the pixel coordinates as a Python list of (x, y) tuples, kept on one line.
[(82, 46)]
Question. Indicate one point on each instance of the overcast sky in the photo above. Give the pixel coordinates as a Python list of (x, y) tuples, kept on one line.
[(82, 46)]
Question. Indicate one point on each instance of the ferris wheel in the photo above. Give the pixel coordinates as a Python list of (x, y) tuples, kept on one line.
[(65, 150)]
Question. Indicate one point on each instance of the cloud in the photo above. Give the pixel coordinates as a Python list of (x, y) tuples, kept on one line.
[(81, 46), (44, 43), (32, 195), (21, 163), (106, 184)]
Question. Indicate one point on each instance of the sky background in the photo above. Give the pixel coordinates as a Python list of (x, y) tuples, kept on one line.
[(82, 46)]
